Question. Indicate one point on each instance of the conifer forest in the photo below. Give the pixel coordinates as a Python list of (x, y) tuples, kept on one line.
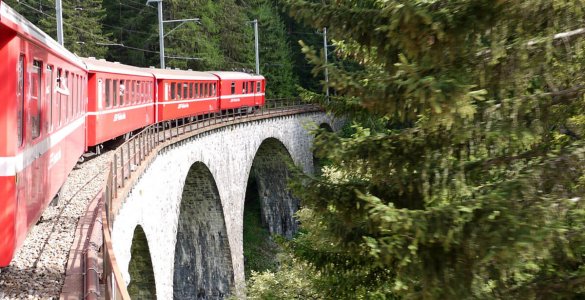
[(461, 171)]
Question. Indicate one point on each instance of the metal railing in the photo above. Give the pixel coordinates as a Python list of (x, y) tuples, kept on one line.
[(131, 159)]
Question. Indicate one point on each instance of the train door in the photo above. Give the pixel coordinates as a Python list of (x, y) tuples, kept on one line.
[(33, 134), (22, 187)]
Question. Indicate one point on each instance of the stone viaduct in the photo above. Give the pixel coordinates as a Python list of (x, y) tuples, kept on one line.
[(187, 209)]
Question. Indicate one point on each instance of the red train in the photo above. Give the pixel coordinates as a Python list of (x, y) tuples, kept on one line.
[(56, 106)]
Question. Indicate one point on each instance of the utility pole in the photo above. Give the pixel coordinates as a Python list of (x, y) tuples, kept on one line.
[(59, 11), (326, 71), (161, 35), (256, 46)]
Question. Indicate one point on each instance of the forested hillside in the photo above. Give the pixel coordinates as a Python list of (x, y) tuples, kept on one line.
[(223, 38)]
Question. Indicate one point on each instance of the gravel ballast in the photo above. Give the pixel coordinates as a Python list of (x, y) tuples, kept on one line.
[(37, 270)]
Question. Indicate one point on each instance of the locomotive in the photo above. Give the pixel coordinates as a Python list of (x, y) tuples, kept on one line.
[(57, 107)]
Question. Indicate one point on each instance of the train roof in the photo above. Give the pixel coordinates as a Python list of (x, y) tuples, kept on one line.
[(13, 20), (232, 75), (102, 65), (180, 74)]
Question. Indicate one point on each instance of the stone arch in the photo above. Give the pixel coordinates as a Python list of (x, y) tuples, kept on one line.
[(142, 283), (326, 126), (318, 161), (203, 267), (270, 173)]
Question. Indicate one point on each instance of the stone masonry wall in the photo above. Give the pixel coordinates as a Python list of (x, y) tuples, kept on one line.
[(203, 265), (154, 202)]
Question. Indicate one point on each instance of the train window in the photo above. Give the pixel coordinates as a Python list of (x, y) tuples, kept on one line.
[(173, 91), (20, 101), (258, 90), (122, 91), (69, 96), (59, 95), (65, 96), (80, 95), (35, 108), (76, 94), (115, 92), (73, 94), (149, 92), (76, 87), (196, 91), (142, 87), (131, 95), (185, 90), (108, 92), (138, 92), (65, 86), (233, 88), (244, 87), (191, 90), (49, 95), (71, 85)]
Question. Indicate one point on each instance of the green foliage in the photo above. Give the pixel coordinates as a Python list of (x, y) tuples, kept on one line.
[(289, 283), (260, 250), (133, 26), (463, 176), (275, 52), (81, 23)]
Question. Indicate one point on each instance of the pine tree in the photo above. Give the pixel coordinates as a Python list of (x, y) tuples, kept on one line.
[(463, 173), (275, 52), (82, 28), (135, 26), (35, 11)]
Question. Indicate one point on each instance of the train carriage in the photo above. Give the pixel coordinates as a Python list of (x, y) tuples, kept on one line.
[(42, 116), (237, 91), (120, 100), (183, 94)]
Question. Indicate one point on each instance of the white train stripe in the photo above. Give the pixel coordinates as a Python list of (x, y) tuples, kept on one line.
[(9, 166), (237, 96), (171, 102), (117, 110)]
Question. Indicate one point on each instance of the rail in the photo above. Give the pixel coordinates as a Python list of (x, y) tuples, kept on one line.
[(130, 160)]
